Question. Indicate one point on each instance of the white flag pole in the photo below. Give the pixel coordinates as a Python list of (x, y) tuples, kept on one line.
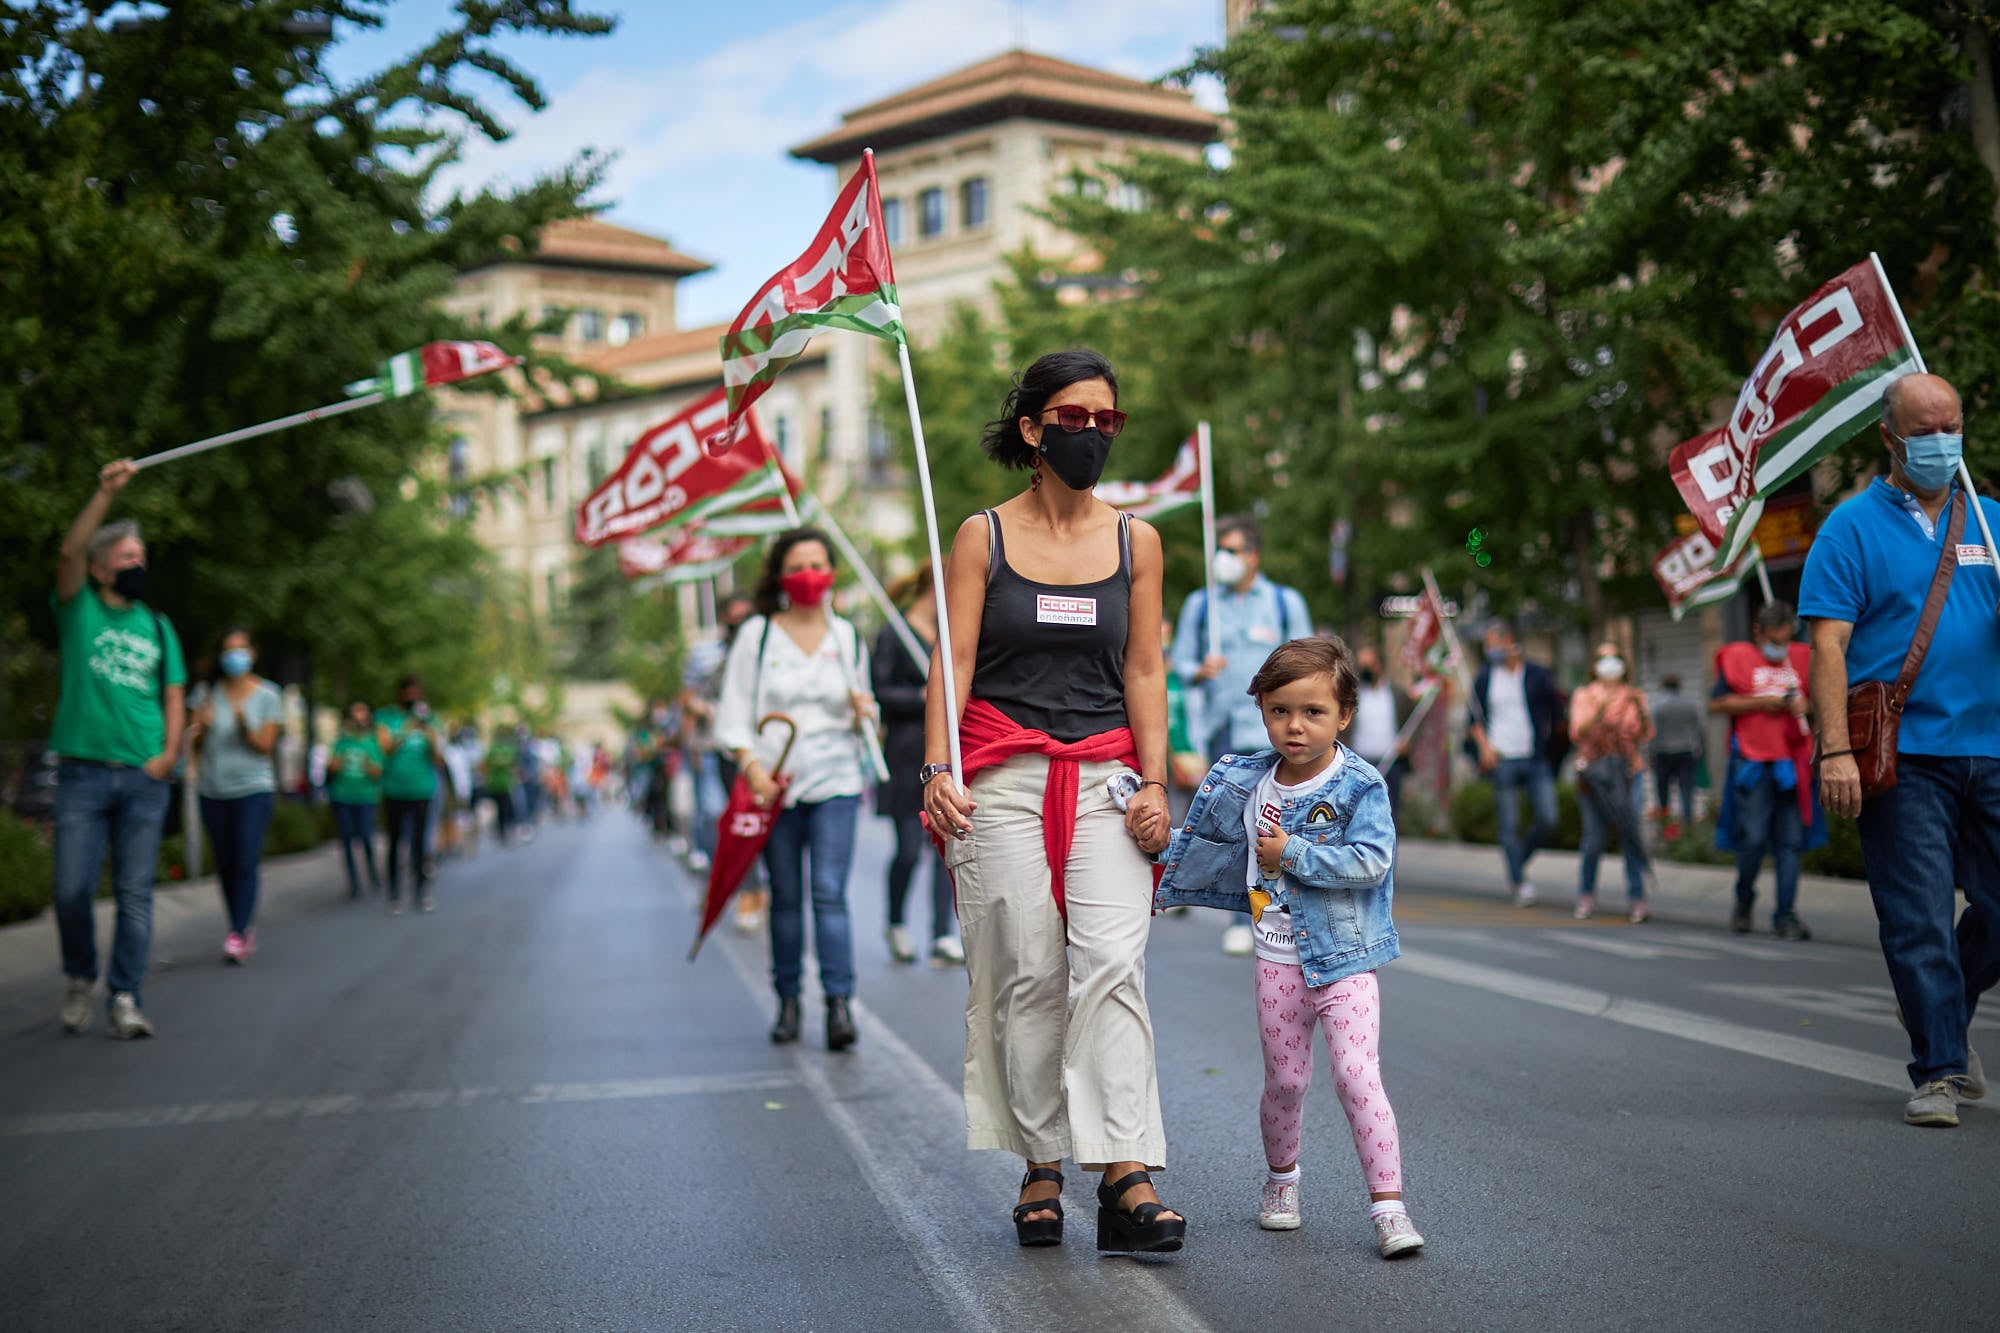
[(252, 432), (948, 671), (1452, 650), (1213, 647), (1964, 472), (1764, 579), (848, 552)]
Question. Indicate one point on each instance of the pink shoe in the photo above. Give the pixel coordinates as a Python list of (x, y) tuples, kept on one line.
[(233, 949), (249, 943)]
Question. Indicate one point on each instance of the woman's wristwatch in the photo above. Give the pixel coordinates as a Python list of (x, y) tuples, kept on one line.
[(929, 771)]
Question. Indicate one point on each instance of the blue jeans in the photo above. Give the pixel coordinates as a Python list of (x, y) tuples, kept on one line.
[(913, 851), (1938, 825), (236, 832), (1768, 818), (356, 823), (1508, 779), (409, 826), (709, 799), (823, 831), (1595, 839), (1672, 771), (99, 806)]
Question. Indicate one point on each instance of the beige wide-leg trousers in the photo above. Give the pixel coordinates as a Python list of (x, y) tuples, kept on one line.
[(1058, 1043)]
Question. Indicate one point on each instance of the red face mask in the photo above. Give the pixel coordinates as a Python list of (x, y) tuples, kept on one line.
[(807, 587)]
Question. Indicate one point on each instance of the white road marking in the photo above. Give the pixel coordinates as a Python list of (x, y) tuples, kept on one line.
[(1876, 1070), (421, 1099), (900, 1121), (1621, 944)]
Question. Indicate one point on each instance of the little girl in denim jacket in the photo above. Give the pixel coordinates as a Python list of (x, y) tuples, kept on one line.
[(1300, 837)]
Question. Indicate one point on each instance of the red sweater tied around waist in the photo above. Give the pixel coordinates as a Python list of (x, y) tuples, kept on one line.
[(988, 737)]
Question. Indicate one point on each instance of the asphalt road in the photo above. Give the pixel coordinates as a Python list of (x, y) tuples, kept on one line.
[(528, 1111)]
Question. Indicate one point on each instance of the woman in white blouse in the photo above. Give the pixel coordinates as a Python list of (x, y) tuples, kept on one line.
[(797, 658)]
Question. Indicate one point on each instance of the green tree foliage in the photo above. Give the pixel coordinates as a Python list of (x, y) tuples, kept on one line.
[(200, 227)]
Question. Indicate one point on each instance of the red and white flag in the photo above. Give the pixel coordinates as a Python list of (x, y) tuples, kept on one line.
[(1426, 628), (844, 280), (668, 479), (1685, 569), (432, 366), (1815, 387), (1177, 488), (686, 555)]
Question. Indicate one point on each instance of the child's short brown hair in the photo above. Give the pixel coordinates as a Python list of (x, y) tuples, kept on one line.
[(1310, 657)]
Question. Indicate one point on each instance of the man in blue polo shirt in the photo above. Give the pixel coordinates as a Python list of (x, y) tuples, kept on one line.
[(1865, 583)]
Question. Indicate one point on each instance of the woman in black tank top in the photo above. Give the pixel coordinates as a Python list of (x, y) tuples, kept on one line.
[(1054, 608)]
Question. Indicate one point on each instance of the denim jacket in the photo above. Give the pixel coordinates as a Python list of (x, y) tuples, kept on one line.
[(1338, 863)]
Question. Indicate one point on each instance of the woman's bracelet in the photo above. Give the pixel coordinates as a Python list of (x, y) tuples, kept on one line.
[(1149, 782), (1834, 754)]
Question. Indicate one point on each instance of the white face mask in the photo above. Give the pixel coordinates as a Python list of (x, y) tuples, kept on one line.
[(1230, 567), (1610, 668)]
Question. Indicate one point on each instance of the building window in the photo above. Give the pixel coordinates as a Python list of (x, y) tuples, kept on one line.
[(972, 203), (457, 468), (892, 220), (590, 325), (825, 434), (549, 482), (629, 325), (930, 213)]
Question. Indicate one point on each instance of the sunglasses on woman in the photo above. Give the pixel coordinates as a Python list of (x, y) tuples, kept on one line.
[(1072, 419)]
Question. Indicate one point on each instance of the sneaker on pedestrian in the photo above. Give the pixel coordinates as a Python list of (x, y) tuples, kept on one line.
[(1278, 1209), (1524, 894), (900, 947), (698, 861), (1586, 906), (76, 1004), (1638, 913), (233, 949), (1789, 927), (424, 904), (1396, 1234), (1739, 919), (126, 1020), (1238, 942), (395, 907), (1972, 1085), (1935, 1103), (947, 951)]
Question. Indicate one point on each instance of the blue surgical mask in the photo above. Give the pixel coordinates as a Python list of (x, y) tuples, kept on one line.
[(235, 661), (1931, 461), (1774, 652), (1496, 656)]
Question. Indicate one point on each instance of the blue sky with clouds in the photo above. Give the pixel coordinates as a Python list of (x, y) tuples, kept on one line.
[(699, 101)]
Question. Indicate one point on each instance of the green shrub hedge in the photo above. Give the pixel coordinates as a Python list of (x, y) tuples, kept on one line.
[(27, 870), (1475, 816)]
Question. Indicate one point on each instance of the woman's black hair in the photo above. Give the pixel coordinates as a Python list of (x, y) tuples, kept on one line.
[(1033, 388), (769, 597)]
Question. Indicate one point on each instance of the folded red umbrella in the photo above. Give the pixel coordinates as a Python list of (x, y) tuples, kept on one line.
[(741, 835)]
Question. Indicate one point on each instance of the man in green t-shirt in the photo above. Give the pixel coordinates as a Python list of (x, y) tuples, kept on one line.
[(117, 731), (410, 753)]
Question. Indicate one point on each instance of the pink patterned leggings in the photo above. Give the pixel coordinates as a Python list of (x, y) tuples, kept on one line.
[(1351, 1010)]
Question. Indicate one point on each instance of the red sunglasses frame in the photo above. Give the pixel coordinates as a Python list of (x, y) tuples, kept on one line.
[(1110, 421)]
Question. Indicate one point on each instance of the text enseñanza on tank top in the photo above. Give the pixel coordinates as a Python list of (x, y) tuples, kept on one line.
[(1052, 655)]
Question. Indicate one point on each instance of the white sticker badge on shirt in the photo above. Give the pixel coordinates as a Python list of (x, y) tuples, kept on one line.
[(1975, 555), (1052, 610)]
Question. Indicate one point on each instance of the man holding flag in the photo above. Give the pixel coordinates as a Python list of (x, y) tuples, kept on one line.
[(1865, 590)]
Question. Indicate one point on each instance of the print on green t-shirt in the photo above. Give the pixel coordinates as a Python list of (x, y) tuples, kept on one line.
[(409, 773), (111, 710), (350, 780)]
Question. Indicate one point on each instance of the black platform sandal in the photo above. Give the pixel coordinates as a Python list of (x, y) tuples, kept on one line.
[(1139, 1230), (1040, 1230)]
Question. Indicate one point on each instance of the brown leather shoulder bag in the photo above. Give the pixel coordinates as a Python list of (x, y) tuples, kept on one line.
[(1875, 707)]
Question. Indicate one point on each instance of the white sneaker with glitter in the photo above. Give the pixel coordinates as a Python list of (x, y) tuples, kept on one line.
[(1278, 1210), (1396, 1235)]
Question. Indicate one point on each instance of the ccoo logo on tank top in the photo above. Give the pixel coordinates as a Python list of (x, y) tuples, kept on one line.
[(1050, 610)]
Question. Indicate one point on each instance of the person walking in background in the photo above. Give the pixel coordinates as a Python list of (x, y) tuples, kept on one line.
[(1678, 746), (117, 730), (1251, 616), (409, 778), (234, 733), (798, 659), (1609, 721), (1049, 834), (899, 690), (499, 775), (1868, 588), (354, 788), (527, 778), (1512, 730), (1379, 713), (1768, 799)]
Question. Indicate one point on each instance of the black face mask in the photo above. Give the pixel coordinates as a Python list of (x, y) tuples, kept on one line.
[(1367, 675), (1077, 460), (130, 582)]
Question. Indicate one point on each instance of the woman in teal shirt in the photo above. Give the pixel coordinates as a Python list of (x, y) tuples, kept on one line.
[(354, 786), (409, 778), (235, 730)]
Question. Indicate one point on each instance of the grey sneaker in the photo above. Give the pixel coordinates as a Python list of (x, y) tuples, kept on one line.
[(1789, 927), (1935, 1103), (76, 1005), (1396, 1234), (1278, 1210), (1972, 1087), (126, 1020)]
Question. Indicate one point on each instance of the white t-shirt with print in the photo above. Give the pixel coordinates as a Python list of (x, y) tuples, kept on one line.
[(1273, 937)]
